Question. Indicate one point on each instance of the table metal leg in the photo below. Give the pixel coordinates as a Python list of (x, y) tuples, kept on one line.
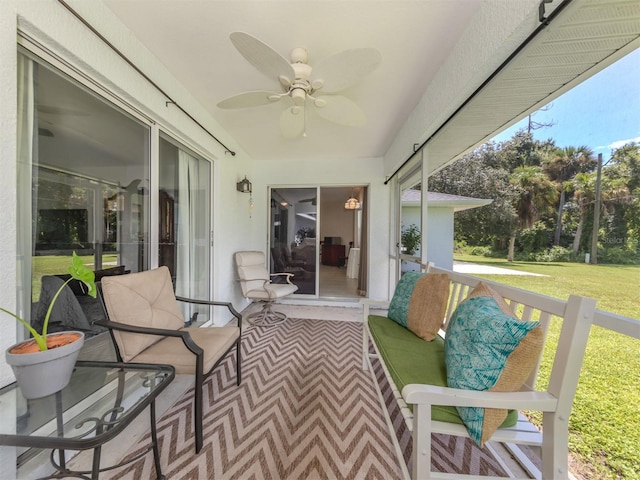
[(95, 467), (60, 428), (154, 441)]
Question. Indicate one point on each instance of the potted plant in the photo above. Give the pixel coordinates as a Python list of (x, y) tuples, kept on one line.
[(410, 239), (43, 364)]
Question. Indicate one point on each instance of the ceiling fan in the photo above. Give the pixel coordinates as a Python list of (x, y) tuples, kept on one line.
[(301, 84)]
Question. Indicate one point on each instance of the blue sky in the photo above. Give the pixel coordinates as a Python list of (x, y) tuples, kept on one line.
[(602, 113)]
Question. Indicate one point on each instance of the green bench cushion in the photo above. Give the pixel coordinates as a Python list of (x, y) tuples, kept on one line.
[(404, 353)]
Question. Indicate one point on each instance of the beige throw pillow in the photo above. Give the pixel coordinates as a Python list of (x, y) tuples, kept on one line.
[(428, 305)]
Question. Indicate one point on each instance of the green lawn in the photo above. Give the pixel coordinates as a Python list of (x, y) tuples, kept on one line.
[(59, 264), (605, 423)]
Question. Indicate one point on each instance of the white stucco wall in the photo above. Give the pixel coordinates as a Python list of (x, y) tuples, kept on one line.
[(440, 237), (439, 233), (8, 95)]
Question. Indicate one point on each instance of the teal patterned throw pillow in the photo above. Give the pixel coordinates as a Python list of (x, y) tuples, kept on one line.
[(399, 306), (479, 340)]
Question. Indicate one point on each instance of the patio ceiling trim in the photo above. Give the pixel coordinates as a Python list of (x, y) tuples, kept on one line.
[(590, 36), (544, 22)]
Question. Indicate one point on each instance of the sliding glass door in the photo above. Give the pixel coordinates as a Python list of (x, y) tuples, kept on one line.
[(293, 246), (83, 179), (185, 225)]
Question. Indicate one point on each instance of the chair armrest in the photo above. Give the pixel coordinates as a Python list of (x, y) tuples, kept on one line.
[(214, 303), (186, 338), (288, 275), (433, 395)]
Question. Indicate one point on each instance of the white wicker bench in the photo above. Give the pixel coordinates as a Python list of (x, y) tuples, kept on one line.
[(576, 314)]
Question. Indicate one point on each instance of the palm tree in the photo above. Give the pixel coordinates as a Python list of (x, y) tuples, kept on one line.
[(584, 193), (614, 192), (561, 167), (537, 195)]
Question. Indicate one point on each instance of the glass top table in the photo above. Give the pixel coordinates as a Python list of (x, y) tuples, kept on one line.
[(101, 399)]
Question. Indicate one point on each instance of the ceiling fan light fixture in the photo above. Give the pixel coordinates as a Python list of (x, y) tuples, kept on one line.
[(352, 203), (298, 96)]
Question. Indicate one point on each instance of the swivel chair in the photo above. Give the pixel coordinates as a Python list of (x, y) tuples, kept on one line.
[(257, 286)]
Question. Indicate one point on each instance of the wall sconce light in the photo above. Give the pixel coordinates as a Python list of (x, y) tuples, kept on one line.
[(352, 204), (244, 186)]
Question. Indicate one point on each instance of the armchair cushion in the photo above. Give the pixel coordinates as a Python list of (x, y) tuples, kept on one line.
[(144, 299), (172, 351)]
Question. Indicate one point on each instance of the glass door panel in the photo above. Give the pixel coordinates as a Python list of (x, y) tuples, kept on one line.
[(410, 233), (83, 180), (293, 243), (185, 225)]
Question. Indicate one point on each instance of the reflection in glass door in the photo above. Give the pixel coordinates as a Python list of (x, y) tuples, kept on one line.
[(83, 181), (410, 223), (185, 227), (293, 242)]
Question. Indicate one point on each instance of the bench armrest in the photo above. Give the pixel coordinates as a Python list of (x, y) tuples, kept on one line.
[(382, 304), (433, 395), (367, 304)]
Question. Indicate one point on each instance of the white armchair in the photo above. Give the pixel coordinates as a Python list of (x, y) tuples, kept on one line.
[(257, 286)]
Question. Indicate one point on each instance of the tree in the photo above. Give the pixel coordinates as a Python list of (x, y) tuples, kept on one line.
[(535, 194), (625, 164), (561, 167), (533, 125), (522, 150), (492, 223), (584, 188)]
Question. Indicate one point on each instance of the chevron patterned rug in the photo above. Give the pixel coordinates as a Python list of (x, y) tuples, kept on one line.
[(305, 410)]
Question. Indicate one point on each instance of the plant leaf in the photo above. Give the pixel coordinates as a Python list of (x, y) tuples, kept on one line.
[(80, 272)]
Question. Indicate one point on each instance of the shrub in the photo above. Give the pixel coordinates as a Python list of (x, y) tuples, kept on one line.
[(556, 254), (411, 238), (534, 239), (618, 256), (480, 251)]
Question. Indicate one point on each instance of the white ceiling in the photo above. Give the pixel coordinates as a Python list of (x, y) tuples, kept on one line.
[(191, 38), (414, 37)]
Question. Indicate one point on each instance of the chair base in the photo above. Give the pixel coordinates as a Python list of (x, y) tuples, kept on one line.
[(266, 317)]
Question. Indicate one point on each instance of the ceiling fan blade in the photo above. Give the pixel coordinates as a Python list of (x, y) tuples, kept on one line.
[(345, 69), (249, 99), (292, 121), (340, 110), (262, 56)]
